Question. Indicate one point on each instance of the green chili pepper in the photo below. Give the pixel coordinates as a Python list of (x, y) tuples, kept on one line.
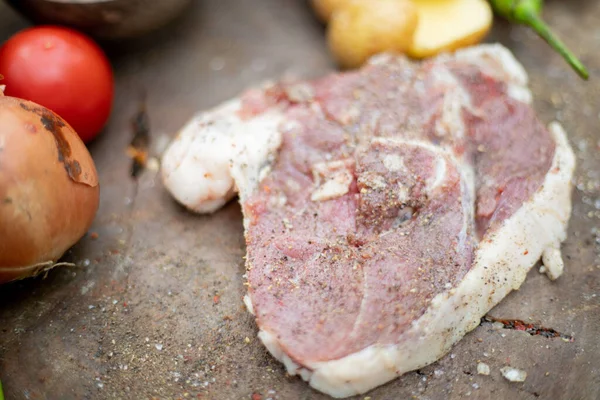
[(1, 392), (527, 12)]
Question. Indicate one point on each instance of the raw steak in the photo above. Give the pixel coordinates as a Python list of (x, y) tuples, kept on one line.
[(385, 210)]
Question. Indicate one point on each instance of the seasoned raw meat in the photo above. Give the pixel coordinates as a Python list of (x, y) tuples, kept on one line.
[(385, 210)]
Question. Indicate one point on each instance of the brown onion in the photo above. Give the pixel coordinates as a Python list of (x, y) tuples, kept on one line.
[(49, 191)]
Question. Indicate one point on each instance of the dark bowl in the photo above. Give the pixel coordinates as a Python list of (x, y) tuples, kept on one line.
[(103, 19)]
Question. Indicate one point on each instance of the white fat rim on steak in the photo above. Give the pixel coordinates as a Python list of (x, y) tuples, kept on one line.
[(217, 150), (502, 261)]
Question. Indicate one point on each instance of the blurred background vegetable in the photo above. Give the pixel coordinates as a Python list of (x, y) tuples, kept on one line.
[(360, 29), (528, 12), (63, 70), (446, 25), (49, 189)]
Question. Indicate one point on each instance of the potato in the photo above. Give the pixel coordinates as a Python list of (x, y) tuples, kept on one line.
[(361, 29), (325, 8), (446, 25)]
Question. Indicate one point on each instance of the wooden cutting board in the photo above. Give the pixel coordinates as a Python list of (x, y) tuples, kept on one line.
[(154, 309)]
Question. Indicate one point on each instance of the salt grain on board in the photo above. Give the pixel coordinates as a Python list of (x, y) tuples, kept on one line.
[(513, 374), (483, 369)]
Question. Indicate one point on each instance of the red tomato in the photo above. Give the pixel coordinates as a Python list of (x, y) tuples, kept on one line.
[(63, 70)]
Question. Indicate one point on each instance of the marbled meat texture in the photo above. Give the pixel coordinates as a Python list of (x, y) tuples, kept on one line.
[(398, 143)]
